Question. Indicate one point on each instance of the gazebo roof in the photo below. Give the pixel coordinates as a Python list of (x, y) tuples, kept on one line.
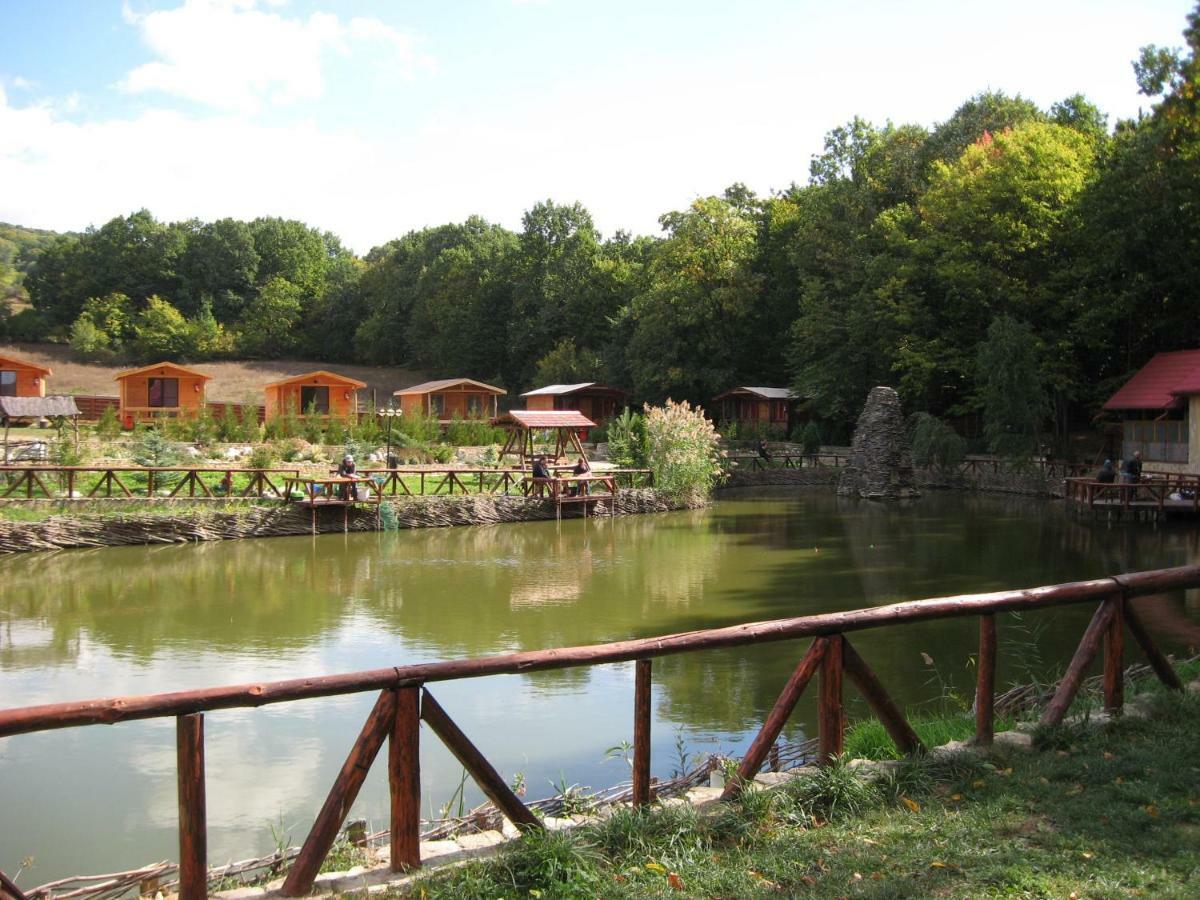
[(174, 367), (38, 407), (430, 387), (532, 418), (320, 373)]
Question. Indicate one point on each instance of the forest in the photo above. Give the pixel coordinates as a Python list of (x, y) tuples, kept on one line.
[(1010, 250)]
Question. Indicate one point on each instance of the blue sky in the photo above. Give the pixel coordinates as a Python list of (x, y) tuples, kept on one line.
[(373, 117)]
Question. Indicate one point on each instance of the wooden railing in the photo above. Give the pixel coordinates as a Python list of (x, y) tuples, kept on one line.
[(37, 482), (1154, 491), (405, 701), (756, 462), (92, 482)]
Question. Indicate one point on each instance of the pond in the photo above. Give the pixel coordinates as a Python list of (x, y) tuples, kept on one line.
[(84, 624)]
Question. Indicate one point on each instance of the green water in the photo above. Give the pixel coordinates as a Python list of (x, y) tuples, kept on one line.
[(85, 624)]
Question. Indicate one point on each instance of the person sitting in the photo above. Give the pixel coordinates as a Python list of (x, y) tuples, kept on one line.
[(347, 469), (580, 468), (541, 476), (1107, 474), (1131, 469), (763, 452)]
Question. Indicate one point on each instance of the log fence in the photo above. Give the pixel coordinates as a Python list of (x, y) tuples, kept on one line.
[(404, 701), (26, 482), (1156, 493)]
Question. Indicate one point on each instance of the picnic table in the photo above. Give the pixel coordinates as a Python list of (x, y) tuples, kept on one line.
[(326, 490)]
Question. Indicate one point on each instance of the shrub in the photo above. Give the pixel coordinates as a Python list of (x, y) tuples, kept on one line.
[(368, 431), (336, 433), (934, 443), (152, 449), (627, 440), (228, 428), (420, 427), (810, 438), (262, 457), (249, 429), (681, 450), (202, 426), (108, 426)]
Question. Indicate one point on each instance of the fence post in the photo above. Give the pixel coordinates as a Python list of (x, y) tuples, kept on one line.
[(641, 733), (404, 780), (1089, 645), (831, 716), (985, 684), (1114, 659), (193, 829)]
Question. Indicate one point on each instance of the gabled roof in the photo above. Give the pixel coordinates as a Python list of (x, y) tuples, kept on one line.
[(18, 363), (174, 367), (767, 393), (531, 418), (38, 407), (1159, 383), (320, 373), (562, 389), (429, 387)]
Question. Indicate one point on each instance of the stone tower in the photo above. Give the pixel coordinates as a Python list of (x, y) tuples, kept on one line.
[(880, 460)]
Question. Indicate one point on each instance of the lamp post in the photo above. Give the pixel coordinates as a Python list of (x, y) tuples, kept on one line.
[(389, 415)]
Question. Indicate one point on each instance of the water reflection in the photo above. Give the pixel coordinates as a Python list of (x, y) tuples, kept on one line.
[(138, 620)]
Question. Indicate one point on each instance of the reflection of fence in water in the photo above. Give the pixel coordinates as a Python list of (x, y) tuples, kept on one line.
[(405, 702)]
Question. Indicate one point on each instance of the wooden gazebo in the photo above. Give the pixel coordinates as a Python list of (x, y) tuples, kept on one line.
[(524, 424), (15, 410)]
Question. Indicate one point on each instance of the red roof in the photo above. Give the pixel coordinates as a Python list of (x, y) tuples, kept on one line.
[(1159, 383), (532, 418)]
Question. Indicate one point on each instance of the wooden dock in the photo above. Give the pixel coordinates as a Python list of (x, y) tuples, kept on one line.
[(1157, 497)]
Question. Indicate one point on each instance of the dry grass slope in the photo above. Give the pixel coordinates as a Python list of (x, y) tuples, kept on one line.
[(234, 381)]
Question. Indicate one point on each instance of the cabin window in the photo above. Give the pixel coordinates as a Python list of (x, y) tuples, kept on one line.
[(8, 383), (314, 399), (474, 406), (437, 405), (164, 392)]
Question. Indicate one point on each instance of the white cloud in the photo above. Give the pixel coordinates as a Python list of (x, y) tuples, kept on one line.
[(230, 55)]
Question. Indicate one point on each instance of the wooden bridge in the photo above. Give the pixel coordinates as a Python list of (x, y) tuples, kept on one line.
[(405, 700)]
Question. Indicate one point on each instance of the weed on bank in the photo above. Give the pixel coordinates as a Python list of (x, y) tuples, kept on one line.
[(1110, 811)]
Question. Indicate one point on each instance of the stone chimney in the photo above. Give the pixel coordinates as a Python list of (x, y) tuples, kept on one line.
[(880, 459)]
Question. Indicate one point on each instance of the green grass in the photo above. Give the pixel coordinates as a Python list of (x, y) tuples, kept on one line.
[(1111, 812), (869, 740)]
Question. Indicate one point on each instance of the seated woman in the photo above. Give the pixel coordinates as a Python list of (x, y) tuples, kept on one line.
[(1107, 473), (580, 468)]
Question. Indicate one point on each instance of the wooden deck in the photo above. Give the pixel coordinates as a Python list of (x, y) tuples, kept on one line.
[(1157, 497)]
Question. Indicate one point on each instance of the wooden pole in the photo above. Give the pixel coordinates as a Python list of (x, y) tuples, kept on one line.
[(880, 701), (641, 733), (379, 725), (985, 681), (1114, 659), (193, 829), (831, 719), (1160, 664), (777, 717), (1089, 645), (404, 780), (473, 761)]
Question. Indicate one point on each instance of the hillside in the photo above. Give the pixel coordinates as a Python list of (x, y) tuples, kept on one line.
[(18, 246), (234, 381)]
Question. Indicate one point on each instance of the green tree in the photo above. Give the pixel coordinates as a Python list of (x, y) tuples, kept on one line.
[(567, 364), (1012, 391), (269, 326), (160, 332)]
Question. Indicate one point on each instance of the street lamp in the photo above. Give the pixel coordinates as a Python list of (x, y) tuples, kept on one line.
[(389, 414)]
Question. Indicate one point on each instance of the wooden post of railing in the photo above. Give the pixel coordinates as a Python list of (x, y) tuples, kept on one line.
[(641, 733), (150, 483), (881, 703), (404, 780), (1160, 664), (985, 681), (831, 719), (1089, 646), (1114, 658), (342, 796), (193, 830)]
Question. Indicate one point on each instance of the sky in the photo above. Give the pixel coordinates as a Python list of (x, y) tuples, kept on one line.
[(371, 118)]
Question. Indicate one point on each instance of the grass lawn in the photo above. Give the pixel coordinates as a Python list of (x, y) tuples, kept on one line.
[(1095, 812)]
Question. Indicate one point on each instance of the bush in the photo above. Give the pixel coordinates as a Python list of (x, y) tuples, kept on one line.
[(336, 433), (627, 440), (262, 457), (420, 427), (28, 325), (108, 426), (202, 426), (368, 431), (153, 450), (681, 450), (934, 443), (248, 428), (810, 438)]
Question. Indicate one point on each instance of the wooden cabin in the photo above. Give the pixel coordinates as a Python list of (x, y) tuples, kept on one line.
[(1159, 408), (464, 397), (326, 394), (20, 378), (597, 402), (163, 389), (752, 407)]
